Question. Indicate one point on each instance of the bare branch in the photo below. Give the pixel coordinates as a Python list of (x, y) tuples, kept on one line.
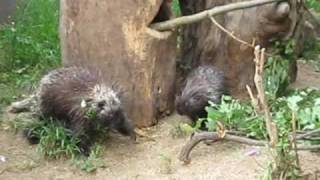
[(258, 80), (173, 23)]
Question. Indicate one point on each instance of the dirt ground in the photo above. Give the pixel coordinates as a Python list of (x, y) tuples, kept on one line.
[(142, 161)]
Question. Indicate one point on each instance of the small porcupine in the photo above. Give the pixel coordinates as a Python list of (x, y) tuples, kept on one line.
[(205, 83), (68, 94)]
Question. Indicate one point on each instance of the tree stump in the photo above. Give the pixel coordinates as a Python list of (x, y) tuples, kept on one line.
[(205, 43), (114, 37)]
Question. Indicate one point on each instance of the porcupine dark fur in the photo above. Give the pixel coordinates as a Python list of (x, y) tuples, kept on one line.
[(203, 84)]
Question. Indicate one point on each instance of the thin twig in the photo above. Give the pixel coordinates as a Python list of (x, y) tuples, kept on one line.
[(230, 33), (254, 101), (252, 45), (294, 138), (173, 23)]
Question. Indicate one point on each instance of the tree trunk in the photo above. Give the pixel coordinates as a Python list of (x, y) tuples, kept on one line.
[(205, 43), (114, 36)]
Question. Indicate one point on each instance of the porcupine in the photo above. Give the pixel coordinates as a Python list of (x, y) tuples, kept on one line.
[(67, 94), (203, 84)]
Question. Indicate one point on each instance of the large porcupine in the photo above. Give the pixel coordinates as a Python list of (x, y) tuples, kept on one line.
[(70, 94), (205, 83)]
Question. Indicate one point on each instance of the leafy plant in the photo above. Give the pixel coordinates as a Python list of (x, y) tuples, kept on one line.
[(276, 71), (240, 116), (235, 115)]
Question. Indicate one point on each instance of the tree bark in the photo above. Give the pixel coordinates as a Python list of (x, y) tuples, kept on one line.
[(114, 36), (205, 43)]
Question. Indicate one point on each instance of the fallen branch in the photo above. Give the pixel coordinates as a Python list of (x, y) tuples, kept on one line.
[(308, 134), (173, 23), (214, 136)]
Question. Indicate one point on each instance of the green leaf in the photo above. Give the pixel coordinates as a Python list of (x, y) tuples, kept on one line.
[(317, 102), (293, 102), (211, 124)]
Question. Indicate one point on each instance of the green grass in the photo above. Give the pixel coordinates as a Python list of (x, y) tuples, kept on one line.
[(55, 140), (29, 46), (58, 142)]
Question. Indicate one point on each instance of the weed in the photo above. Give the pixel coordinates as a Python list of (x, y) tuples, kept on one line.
[(165, 164), (182, 129)]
